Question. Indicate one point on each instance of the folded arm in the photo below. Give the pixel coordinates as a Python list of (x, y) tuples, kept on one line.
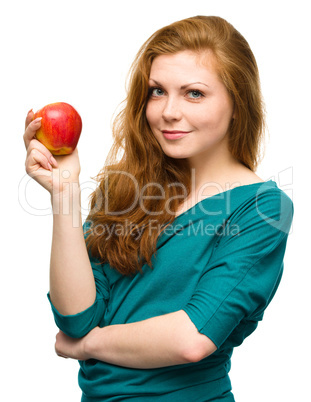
[(160, 341)]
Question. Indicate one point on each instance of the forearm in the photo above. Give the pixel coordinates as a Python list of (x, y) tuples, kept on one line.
[(72, 285), (161, 341)]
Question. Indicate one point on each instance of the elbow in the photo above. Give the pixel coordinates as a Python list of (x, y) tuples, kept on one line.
[(80, 324), (78, 334), (198, 349), (74, 328), (72, 332)]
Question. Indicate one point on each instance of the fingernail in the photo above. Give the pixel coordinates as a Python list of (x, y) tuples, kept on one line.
[(50, 167), (30, 111), (53, 161), (37, 119)]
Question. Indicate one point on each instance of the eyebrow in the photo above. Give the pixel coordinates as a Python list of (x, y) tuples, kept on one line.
[(183, 86)]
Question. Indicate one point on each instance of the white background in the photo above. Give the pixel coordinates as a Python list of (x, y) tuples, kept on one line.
[(80, 52)]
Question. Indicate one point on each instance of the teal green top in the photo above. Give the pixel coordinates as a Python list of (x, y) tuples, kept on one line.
[(221, 262)]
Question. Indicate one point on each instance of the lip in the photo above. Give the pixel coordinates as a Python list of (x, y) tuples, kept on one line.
[(174, 134)]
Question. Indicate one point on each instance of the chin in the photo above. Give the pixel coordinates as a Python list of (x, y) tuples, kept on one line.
[(176, 155)]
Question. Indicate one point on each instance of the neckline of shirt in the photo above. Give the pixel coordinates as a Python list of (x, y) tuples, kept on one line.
[(272, 182)]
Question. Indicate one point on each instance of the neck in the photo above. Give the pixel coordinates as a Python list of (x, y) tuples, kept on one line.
[(214, 173)]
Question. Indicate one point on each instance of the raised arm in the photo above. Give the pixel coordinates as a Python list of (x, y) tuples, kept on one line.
[(72, 284)]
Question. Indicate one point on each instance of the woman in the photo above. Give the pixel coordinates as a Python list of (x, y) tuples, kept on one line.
[(183, 247)]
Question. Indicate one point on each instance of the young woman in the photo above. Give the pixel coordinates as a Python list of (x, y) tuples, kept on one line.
[(183, 247)]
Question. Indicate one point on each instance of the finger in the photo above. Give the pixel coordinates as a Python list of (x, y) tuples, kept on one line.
[(31, 130), (36, 157), (35, 144), (60, 354), (29, 118)]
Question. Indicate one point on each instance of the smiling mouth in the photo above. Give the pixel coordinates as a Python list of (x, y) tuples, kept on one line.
[(175, 132)]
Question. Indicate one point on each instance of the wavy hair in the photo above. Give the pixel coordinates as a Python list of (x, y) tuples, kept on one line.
[(137, 196)]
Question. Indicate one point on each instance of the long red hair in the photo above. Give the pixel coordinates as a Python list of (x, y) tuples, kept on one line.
[(124, 230)]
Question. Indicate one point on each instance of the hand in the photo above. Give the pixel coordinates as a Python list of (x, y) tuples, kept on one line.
[(72, 348), (40, 161)]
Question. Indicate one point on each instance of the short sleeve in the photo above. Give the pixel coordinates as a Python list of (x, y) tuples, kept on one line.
[(245, 268), (78, 325)]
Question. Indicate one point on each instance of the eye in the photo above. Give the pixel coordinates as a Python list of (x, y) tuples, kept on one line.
[(156, 92), (195, 94)]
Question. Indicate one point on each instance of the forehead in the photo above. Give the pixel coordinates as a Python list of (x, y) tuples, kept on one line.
[(185, 64)]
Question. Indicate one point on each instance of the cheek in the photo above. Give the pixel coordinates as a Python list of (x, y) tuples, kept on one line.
[(217, 116), (153, 120), (151, 114)]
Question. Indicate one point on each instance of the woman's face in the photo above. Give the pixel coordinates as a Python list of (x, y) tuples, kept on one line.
[(189, 109)]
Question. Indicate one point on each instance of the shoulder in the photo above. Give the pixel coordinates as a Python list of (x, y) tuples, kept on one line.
[(266, 191), (266, 205), (259, 224)]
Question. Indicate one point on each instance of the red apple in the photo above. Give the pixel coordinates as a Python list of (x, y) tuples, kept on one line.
[(61, 126)]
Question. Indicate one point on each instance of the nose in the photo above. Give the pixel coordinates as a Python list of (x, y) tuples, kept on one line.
[(171, 109)]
